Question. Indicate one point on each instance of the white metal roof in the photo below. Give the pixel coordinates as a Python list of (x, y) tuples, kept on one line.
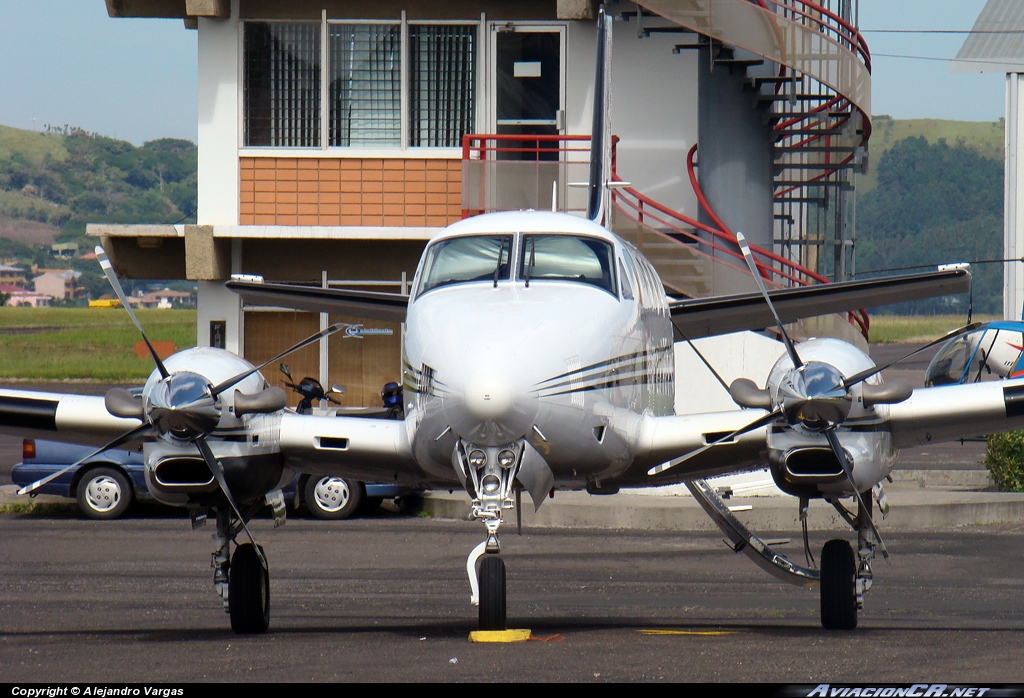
[(996, 42)]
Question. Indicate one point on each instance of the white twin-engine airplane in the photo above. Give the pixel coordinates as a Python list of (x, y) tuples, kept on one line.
[(538, 355)]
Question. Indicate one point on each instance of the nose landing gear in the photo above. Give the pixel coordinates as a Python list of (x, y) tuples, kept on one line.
[(489, 474)]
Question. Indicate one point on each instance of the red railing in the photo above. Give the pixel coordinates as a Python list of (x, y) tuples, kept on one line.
[(643, 210), (836, 27)]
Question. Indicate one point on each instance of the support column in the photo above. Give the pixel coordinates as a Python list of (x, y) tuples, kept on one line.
[(1013, 199), (735, 149)]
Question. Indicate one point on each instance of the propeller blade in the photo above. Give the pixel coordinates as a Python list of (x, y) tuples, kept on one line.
[(840, 453), (123, 438), (218, 473), (221, 387), (108, 271), (745, 249), (867, 373), (756, 424)]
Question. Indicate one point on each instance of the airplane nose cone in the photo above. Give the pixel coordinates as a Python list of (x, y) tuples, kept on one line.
[(488, 397), (490, 410)]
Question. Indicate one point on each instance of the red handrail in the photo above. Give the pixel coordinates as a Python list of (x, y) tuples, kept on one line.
[(722, 239)]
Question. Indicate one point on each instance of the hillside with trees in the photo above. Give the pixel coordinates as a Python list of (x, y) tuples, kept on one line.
[(933, 195), (53, 183), (934, 203)]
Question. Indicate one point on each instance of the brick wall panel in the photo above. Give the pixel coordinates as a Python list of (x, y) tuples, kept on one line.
[(349, 191)]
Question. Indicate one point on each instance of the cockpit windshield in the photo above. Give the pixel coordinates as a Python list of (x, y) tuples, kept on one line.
[(567, 258), (991, 353), (462, 259)]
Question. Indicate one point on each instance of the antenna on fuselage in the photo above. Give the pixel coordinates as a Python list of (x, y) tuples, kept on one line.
[(600, 135)]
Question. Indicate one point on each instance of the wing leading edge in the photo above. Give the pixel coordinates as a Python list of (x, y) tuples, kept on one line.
[(699, 317), (375, 305), (707, 317)]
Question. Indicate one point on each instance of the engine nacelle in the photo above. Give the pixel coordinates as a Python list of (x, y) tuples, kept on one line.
[(803, 465), (176, 474)]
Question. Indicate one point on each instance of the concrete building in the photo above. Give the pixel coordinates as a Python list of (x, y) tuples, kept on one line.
[(59, 284), (336, 137)]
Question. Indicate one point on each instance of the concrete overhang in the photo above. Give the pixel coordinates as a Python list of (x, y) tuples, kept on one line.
[(204, 252), (169, 9), (188, 10)]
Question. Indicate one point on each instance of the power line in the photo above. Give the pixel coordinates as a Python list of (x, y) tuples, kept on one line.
[(942, 31), (963, 60)]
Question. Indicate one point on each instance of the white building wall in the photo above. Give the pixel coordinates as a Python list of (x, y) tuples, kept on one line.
[(654, 106), (1013, 198), (218, 175)]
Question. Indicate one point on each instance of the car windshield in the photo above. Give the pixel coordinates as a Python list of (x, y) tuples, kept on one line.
[(567, 258), (464, 259)]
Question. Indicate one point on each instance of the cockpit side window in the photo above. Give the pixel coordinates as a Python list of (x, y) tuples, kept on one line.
[(568, 258), (464, 259), (627, 288)]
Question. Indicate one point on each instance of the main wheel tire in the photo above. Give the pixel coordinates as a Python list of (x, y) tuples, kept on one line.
[(492, 593), (104, 493), (333, 498), (248, 591), (838, 586)]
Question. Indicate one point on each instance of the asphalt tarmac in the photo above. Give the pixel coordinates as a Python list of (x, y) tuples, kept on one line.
[(386, 599)]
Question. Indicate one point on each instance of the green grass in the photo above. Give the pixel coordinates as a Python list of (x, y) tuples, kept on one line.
[(55, 344), (31, 144), (33, 508), (916, 328)]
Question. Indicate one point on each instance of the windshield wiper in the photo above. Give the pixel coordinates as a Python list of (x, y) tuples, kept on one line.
[(533, 260), (497, 267)]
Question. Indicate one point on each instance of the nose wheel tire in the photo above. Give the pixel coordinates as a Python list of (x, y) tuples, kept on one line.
[(104, 493), (248, 591), (492, 593), (333, 498), (838, 586)]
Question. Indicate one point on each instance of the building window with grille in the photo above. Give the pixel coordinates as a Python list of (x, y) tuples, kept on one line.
[(282, 84), (360, 104)]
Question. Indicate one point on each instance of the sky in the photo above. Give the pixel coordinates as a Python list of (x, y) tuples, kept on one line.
[(66, 62)]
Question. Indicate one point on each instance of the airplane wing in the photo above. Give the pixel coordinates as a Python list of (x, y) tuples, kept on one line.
[(376, 305), (371, 449), (955, 412), (79, 419), (707, 317)]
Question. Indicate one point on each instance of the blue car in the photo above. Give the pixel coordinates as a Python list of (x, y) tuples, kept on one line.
[(106, 485)]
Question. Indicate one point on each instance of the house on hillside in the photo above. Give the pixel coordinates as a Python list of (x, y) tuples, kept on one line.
[(59, 284), (18, 297)]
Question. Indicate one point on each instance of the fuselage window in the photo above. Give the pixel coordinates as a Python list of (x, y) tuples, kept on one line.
[(464, 259), (567, 258)]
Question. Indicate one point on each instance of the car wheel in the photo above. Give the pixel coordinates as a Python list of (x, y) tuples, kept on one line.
[(333, 498), (104, 493)]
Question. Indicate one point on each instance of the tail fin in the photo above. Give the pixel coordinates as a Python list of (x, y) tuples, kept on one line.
[(598, 199)]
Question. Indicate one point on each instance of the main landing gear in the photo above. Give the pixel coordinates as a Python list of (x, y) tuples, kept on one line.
[(845, 577), (242, 580)]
